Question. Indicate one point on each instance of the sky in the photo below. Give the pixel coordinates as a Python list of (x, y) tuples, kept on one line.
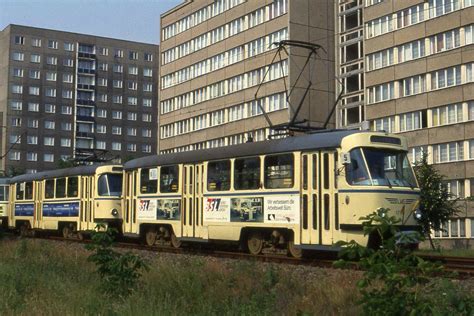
[(135, 20)]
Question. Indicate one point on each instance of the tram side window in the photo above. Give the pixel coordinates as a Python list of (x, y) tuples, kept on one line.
[(72, 187), (169, 179), (61, 188), (49, 189), (279, 171), (28, 190), (247, 173), (19, 191), (148, 181), (218, 175), (4, 193)]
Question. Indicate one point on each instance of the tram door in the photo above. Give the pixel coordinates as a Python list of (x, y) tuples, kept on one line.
[(328, 196), (310, 210), (192, 201), (130, 208), (38, 208)]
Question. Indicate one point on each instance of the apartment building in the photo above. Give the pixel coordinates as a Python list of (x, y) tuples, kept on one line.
[(417, 58), (66, 95), (218, 70)]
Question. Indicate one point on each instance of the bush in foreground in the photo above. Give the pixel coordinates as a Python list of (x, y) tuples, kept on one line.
[(398, 282)]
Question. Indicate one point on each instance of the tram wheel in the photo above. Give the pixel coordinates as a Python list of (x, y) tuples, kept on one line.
[(294, 251), (150, 237), (255, 243), (175, 242)]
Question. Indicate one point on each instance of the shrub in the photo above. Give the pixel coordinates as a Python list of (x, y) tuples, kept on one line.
[(396, 281), (119, 272)]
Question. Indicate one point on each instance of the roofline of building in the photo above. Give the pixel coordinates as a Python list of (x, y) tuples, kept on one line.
[(179, 6), (75, 33)]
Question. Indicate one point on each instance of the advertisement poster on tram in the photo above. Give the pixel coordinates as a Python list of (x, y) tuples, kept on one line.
[(282, 209), (217, 209)]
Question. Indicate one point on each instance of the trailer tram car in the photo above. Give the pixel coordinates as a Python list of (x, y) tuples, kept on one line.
[(304, 192), (71, 201), (4, 190)]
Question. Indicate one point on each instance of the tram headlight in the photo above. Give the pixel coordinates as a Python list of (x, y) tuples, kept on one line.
[(418, 214), (114, 212)]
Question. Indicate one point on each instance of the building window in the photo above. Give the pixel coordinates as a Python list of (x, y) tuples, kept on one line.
[(118, 68), (16, 121), (68, 62), (118, 53), (14, 155), (49, 141), (146, 132), (52, 44), (68, 46), (117, 115), (65, 142), (19, 40), (36, 42), (66, 126), (102, 97), (52, 60), (386, 124), (146, 117), (49, 108), (132, 85), (66, 110), (32, 156), (51, 76), (446, 78), (18, 56), (117, 99), (132, 100), (35, 74), (448, 114), (131, 131), (17, 89), (67, 78), (132, 70), (410, 16), (49, 124), (101, 129), (102, 82), (102, 113), (48, 157), (412, 121), (33, 107), (148, 57), (131, 116), (16, 105), (118, 84), (35, 58), (379, 26), (35, 91), (32, 140), (413, 85), (445, 41), (147, 72), (383, 92), (100, 144), (147, 87), (132, 55), (146, 148), (116, 146), (103, 66), (147, 103), (441, 7), (49, 92), (17, 72), (103, 51), (448, 152)]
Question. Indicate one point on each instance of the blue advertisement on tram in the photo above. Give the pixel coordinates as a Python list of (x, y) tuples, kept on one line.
[(61, 209), (24, 209)]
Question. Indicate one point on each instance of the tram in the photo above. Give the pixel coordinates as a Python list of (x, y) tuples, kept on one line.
[(72, 201), (296, 193), (4, 193)]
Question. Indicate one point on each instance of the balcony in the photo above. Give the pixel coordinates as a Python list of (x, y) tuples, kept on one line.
[(85, 118), (85, 86), (85, 102), (84, 134), (86, 55), (86, 71)]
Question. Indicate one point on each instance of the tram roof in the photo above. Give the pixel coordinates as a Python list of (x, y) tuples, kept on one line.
[(320, 140), (58, 173), (4, 180)]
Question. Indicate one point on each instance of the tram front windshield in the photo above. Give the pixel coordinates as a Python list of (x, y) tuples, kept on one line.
[(4, 193), (380, 167), (110, 184)]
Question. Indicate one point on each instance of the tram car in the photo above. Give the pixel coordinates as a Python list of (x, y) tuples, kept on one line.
[(72, 201), (4, 194), (305, 192)]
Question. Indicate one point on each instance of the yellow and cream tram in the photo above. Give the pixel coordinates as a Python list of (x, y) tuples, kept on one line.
[(4, 189), (304, 192), (72, 200)]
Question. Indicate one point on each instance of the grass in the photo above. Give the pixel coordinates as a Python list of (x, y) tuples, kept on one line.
[(45, 278)]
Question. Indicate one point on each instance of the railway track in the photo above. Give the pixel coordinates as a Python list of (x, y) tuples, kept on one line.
[(463, 266)]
